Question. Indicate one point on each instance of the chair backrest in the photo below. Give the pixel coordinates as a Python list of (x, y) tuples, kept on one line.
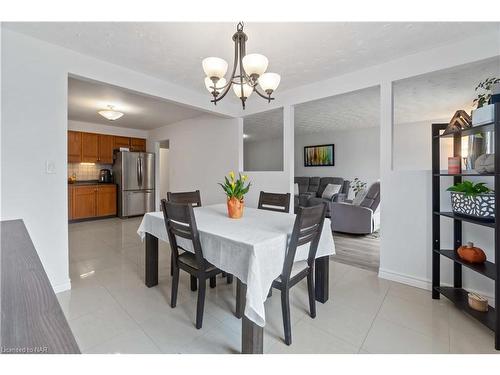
[(372, 197), (189, 197), (274, 202), (306, 230), (180, 222)]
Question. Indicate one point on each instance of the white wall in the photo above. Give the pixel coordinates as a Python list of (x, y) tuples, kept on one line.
[(263, 155), (163, 173), (34, 126), (201, 152), (405, 242), (91, 127), (357, 154), (412, 146)]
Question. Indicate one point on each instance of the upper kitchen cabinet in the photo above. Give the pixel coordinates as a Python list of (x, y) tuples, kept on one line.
[(106, 146), (138, 144), (74, 147), (90, 148), (121, 142)]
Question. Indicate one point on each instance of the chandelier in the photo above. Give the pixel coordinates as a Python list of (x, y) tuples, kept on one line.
[(249, 71)]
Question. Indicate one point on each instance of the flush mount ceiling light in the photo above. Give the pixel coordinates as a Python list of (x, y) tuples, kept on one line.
[(110, 114), (248, 73)]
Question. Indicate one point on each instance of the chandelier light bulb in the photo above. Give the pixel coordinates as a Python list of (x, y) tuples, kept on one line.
[(214, 67), (218, 85), (247, 90), (110, 114), (255, 64), (269, 82)]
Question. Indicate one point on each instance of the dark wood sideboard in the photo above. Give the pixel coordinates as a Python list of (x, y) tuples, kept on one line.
[(31, 318)]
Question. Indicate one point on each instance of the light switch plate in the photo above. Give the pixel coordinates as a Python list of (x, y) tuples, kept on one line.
[(50, 167)]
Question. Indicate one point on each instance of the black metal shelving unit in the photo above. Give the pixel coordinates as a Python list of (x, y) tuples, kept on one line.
[(490, 270)]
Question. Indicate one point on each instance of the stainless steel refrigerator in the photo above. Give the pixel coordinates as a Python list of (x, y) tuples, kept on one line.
[(134, 173)]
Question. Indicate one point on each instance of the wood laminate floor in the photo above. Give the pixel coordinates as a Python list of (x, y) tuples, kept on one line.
[(361, 251)]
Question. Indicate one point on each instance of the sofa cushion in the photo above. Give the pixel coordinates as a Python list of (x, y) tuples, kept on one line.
[(360, 196), (330, 190), (313, 185), (303, 184), (324, 181)]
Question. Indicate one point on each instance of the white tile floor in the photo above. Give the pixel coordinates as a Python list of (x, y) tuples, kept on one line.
[(110, 310)]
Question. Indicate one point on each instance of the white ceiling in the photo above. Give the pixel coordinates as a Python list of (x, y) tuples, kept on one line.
[(433, 96), (300, 52), (85, 98), (438, 95)]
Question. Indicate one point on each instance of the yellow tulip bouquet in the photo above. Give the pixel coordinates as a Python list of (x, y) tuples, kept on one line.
[(235, 190)]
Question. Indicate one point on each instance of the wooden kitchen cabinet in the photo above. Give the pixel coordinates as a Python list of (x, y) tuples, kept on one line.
[(74, 147), (106, 200), (84, 202), (106, 146), (90, 148), (121, 142), (70, 202), (91, 201), (138, 144)]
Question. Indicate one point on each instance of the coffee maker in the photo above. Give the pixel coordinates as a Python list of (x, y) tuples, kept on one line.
[(105, 176)]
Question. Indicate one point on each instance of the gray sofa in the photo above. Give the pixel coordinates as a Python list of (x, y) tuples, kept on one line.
[(358, 219), (311, 189)]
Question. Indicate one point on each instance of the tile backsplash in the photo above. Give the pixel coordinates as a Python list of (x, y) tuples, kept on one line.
[(86, 171)]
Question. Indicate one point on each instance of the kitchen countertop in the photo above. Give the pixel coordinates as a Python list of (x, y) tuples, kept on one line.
[(90, 182)]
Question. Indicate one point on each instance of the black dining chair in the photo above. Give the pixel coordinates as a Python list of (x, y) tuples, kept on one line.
[(274, 202), (194, 199), (189, 197), (180, 222), (306, 230)]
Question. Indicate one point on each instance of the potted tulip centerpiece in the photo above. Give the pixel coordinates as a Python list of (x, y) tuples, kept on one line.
[(235, 190)]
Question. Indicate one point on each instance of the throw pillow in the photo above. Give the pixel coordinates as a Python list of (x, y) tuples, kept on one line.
[(330, 191), (359, 197), (295, 189)]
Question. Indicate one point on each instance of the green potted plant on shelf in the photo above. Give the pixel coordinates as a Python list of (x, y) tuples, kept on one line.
[(484, 112), (235, 190), (473, 199)]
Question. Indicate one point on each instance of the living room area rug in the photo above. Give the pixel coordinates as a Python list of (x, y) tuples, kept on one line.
[(361, 251)]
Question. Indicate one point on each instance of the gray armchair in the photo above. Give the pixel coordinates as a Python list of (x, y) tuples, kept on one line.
[(358, 219)]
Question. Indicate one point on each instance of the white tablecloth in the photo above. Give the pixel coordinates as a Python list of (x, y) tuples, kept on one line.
[(251, 248)]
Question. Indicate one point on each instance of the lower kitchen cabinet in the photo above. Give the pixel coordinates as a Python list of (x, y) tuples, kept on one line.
[(91, 201), (106, 200)]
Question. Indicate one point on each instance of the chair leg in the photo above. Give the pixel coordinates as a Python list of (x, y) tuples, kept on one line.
[(172, 264), (201, 303), (213, 282), (229, 279), (285, 307), (175, 287), (194, 282), (312, 294)]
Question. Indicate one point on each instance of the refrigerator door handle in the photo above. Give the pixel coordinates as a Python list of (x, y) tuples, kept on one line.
[(138, 168)]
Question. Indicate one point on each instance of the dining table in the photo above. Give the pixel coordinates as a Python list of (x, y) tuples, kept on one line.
[(251, 248)]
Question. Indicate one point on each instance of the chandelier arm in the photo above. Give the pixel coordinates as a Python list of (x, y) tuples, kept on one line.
[(268, 98), (240, 58), (230, 80)]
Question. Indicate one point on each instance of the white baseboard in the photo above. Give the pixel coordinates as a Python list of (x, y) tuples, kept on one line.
[(62, 287), (417, 282), (421, 283)]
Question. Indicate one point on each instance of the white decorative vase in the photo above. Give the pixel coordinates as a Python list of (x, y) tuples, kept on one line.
[(483, 115)]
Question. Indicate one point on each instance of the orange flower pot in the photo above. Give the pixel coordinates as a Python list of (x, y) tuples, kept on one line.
[(235, 208)]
